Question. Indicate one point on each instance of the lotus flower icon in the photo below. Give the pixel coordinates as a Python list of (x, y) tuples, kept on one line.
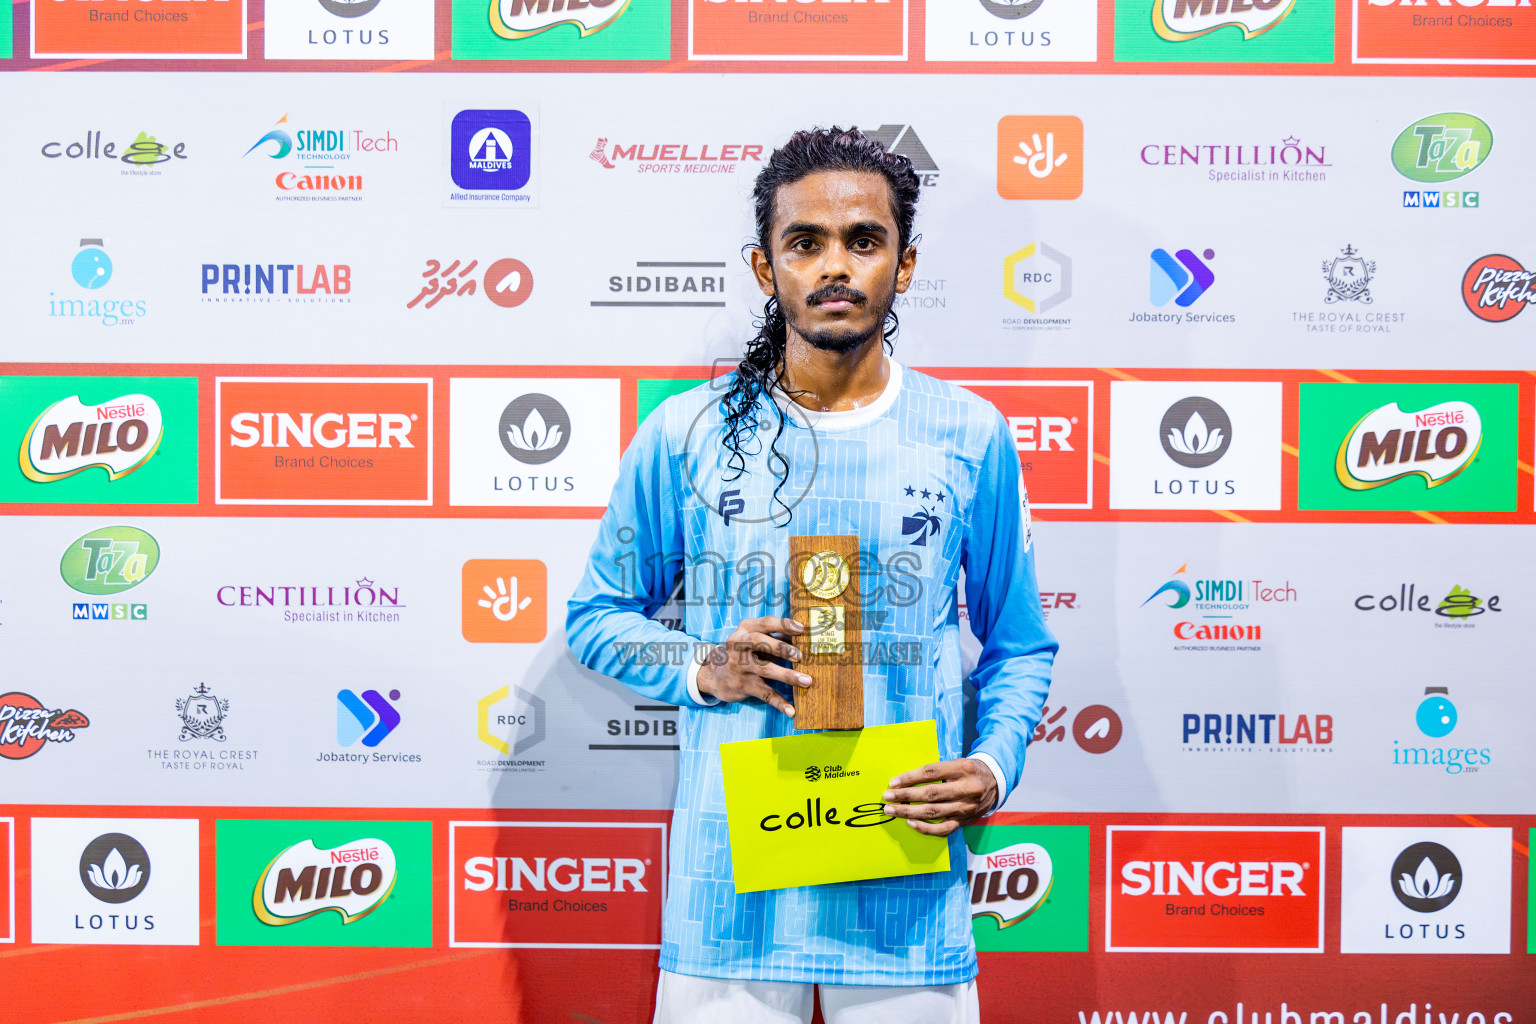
[(1195, 432), (1426, 877), (533, 434), (114, 872), (114, 867), (1196, 438), (534, 429), (1427, 883)]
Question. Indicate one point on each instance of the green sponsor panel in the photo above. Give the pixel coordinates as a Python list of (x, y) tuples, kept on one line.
[(1428, 453), (324, 883), (110, 446), (1302, 33), (652, 393), (1530, 895), (1029, 887), (493, 30), (5, 36)]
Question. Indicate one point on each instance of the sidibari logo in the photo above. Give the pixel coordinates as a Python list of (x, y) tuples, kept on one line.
[(353, 879), (1389, 444), (1442, 147), (1496, 288), (1008, 885), (1181, 20), (26, 726), (519, 19), (70, 437), (109, 560)]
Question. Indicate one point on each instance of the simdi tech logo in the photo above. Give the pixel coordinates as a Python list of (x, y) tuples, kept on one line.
[(324, 883), (1437, 32), (160, 29), (1407, 446), (115, 881), (1266, 31), (1011, 30), (804, 30), (124, 440), (1028, 887), (1052, 426), (1039, 157), (348, 30), (323, 441), (1213, 889), (315, 162), (561, 30)]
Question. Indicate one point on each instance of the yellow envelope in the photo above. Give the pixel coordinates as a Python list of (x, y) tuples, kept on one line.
[(806, 809)]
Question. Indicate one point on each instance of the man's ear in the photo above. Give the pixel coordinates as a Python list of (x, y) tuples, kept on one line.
[(762, 270), (906, 268)]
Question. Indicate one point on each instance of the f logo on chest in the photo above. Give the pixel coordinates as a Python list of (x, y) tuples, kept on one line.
[(730, 505)]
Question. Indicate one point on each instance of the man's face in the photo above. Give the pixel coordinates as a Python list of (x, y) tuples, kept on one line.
[(835, 263)]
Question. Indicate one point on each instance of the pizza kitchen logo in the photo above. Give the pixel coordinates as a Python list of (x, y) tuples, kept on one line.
[(1496, 288), (69, 437), (352, 880), (26, 726), (1389, 444)]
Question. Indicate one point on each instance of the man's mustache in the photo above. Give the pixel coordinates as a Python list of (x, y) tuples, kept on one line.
[(834, 292)]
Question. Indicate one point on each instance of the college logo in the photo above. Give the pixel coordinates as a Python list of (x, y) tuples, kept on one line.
[(812, 30), (491, 150), (158, 29), (26, 726), (1459, 605), (110, 560), (1407, 446), (1271, 31), (1011, 30), (115, 881), (324, 883), (1188, 889), (1472, 32), (1037, 279), (1028, 887), (323, 441), (1052, 426), (1426, 890), (504, 600), (557, 885), (507, 282), (369, 718), (1039, 157), (349, 30), (143, 154), (1436, 717), (1496, 288), (1442, 147)]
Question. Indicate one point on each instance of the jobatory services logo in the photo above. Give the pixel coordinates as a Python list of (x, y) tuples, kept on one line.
[(1440, 149), (1436, 718), (1288, 161), (1407, 446), (491, 157), (658, 158), (276, 283), (323, 441), (115, 881), (1426, 890), (505, 282), (1011, 30), (140, 155), (504, 600), (316, 164), (368, 718), (1180, 278), (1028, 887), (1230, 611), (510, 720), (561, 30), (1198, 444), (532, 441), (1188, 889), (831, 30), (1039, 157), (124, 440), (1052, 425), (1471, 32), (348, 30), (1496, 288), (159, 29), (1037, 279), (324, 883), (556, 885), (1256, 732), (91, 268), (1267, 31), (26, 726)]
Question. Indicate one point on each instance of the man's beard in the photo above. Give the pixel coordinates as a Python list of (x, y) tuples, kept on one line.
[(831, 338)]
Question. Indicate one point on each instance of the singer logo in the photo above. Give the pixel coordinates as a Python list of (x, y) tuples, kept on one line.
[(1388, 444), (803, 30), (1052, 426), (70, 437), (146, 28), (323, 441), (1214, 890), (571, 885), (1436, 32)]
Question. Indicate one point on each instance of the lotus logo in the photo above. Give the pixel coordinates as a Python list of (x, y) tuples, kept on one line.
[(349, 8), (1012, 10), (534, 429), (519, 19), (1426, 878), (114, 868), (1181, 20), (1195, 432), (1389, 444)]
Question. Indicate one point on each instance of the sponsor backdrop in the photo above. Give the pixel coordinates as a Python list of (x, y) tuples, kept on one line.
[(316, 383)]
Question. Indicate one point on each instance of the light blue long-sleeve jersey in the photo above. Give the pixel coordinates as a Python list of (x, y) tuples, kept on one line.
[(928, 478)]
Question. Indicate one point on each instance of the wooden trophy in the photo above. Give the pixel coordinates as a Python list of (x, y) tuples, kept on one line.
[(824, 589)]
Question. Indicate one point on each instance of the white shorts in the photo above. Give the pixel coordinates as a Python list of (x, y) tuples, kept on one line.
[(684, 999)]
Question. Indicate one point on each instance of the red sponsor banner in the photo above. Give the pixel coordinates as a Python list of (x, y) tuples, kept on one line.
[(1440, 32), (1214, 890), (323, 441), (7, 879), (1052, 426), (138, 28), (571, 885), (802, 30)]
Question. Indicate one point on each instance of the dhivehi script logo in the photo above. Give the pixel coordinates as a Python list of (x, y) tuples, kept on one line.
[(1388, 444), (353, 879), (1009, 884), (1181, 20), (70, 437), (519, 19)]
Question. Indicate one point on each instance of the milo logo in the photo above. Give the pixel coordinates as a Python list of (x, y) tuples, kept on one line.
[(1442, 147), (109, 560), (1388, 444), (70, 437), (1008, 884)]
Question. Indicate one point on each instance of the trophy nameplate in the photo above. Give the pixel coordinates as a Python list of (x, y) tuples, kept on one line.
[(824, 596)]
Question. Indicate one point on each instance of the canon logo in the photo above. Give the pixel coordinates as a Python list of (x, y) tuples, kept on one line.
[(1219, 878), (562, 874), (326, 429)]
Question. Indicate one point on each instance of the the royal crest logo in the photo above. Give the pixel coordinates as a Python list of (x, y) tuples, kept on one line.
[(1180, 20), (1007, 885), (353, 879), (1349, 277), (1389, 444), (519, 19), (70, 437), (202, 715), (26, 726)]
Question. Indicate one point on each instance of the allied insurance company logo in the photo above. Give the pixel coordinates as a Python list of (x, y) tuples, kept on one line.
[(26, 726), (491, 150), (91, 268), (352, 879), (1496, 288), (1178, 21), (873, 30), (1389, 444), (1039, 157), (520, 19), (108, 561), (1439, 149), (70, 437), (507, 282)]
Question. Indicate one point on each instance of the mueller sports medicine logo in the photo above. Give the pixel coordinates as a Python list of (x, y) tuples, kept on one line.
[(1496, 288), (1008, 885), (1214, 890), (803, 30), (166, 29), (519, 19), (675, 157), (323, 441), (1440, 32), (1389, 444), (1181, 20), (227, 283), (352, 880), (69, 437), (574, 885), (26, 726)]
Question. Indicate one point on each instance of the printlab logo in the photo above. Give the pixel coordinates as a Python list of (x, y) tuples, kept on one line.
[(1439, 149), (349, 30), (492, 151), (1426, 878), (1181, 278), (902, 140), (504, 600), (1037, 279), (1219, 733), (1496, 288), (1011, 30), (114, 868), (26, 726), (143, 155), (1039, 157), (510, 712), (506, 282), (91, 268), (202, 714), (369, 718), (266, 283), (1195, 432)]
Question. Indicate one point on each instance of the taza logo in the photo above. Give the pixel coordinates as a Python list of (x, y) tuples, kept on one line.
[(1426, 877), (1195, 432), (519, 19), (1442, 147), (353, 879), (114, 867), (1389, 444), (1496, 288), (1180, 20), (109, 560)]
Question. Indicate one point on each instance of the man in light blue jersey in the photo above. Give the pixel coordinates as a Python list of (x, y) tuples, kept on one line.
[(818, 431)]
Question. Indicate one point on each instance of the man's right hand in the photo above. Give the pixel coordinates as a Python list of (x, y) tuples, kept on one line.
[(739, 668)]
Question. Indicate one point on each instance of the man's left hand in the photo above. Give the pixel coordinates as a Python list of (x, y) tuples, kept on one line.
[(938, 798)]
